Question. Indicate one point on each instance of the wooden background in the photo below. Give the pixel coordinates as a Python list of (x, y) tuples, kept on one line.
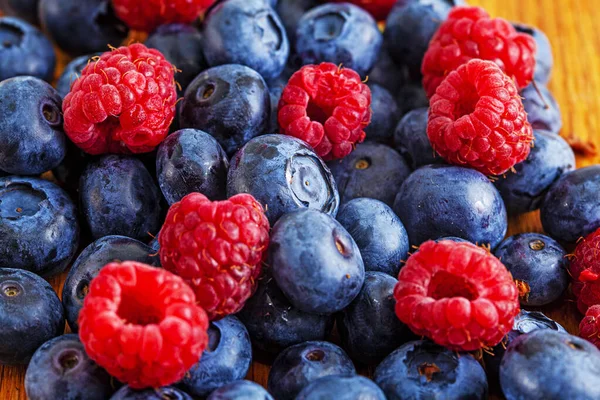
[(572, 28)]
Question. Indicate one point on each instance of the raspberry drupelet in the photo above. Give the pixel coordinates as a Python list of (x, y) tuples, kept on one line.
[(146, 15), (589, 327), (457, 294), (142, 324), (585, 271), (123, 102), (326, 106)]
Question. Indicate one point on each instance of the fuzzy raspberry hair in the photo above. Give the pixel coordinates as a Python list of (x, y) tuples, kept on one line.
[(585, 271), (589, 327), (146, 15)]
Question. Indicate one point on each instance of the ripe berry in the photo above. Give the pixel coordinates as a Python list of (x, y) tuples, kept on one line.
[(146, 15), (585, 271), (378, 8), (589, 328)]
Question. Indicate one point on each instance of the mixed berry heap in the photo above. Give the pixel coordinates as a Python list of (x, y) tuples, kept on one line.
[(146, 15)]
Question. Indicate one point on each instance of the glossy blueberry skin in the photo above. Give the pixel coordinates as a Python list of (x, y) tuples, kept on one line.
[(25, 51), (91, 260), (39, 231), (167, 392), (119, 197), (264, 166), (401, 374), (385, 115), (30, 315), (369, 327), (524, 190), (290, 12), (410, 97), (247, 32), (226, 359), (546, 364), (342, 388), (439, 200), (373, 170), (378, 233), (540, 117), (60, 369), (571, 208), (297, 366), (230, 102), (315, 262), (24, 9), (543, 54), (410, 139), (240, 390), (340, 33), (31, 127), (71, 72)]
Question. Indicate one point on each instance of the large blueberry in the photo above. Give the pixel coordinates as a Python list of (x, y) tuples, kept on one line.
[(315, 262), (246, 32), (163, 393), (32, 139), (542, 109), (240, 390), (424, 370), (543, 54), (90, 262), (297, 366), (38, 226), (30, 315), (373, 170), (71, 72), (226, 359), (410, 139), (24, 9), (290, 12), (341, 387), (119, 197), (385, 115), (440, 200), (410, 97), (284, 174)]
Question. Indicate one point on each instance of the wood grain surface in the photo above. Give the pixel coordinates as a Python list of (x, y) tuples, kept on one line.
[(572, 29)]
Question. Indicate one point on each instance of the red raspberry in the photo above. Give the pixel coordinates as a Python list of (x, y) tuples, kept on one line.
[(457, 294), (142, 324), (326, 106), (379, 9), (217, 247), (470, 33), (146, 15), (585, 271), (589, 328), (124, 102), (477, 119)]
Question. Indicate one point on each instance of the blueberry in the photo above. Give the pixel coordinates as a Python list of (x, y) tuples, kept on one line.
[(30, 315), (60, 369), (546, 364), (164, 393), (424, 370), (31, 127), (240, 390), (68, 172), (439, 200), (342, 388), (91, 260), (524, 190), (290, 12), (542, 109), (24, 51), (24, 9), (82, 26), (226, 359), (373, 170), (543, 55), (385, 115), (378, 232), (315, 262), (38, 226), (297, 366), (410, 139), (119, 197), (454, 239), (410, 97), (340, 33), (246, 32), (231, 102), (71, 72), (386, 73), (284, 174), (275, 95)]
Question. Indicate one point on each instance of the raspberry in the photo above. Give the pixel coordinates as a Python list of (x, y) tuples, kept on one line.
[(457, 294), (326, 106), (589, 327), (146, 15), (470, 33), (124, 102), (379, 9), (585, 270), (217, 247), (142, 325), (476, 118)]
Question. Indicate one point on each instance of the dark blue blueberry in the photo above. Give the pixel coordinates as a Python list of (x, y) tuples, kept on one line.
[(424, 370), (275, 94), (372, 170), (24, 51), (410, 139), (24, 9), (163, 393), (342, 388), (542, 109), (378, 232), (30, 315), (571, 208), (546, 364), (440, 200), (226, 359), (240, 390), (71, 72), (60, 369), (101, 252), (82, 26), (284, 174), (190, 161), (340, 33), (543, 54), (31, 128), (386, 73), (410, 97), (524, 189), (453, 239), (154, 244), (369, 327), (246, 32), (315, 262), (290, 12), (385, 115), (231, 102), (69, 171), (297, 366), (38, 226)]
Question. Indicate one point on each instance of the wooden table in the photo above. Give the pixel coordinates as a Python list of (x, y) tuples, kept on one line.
[(571, 26)]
